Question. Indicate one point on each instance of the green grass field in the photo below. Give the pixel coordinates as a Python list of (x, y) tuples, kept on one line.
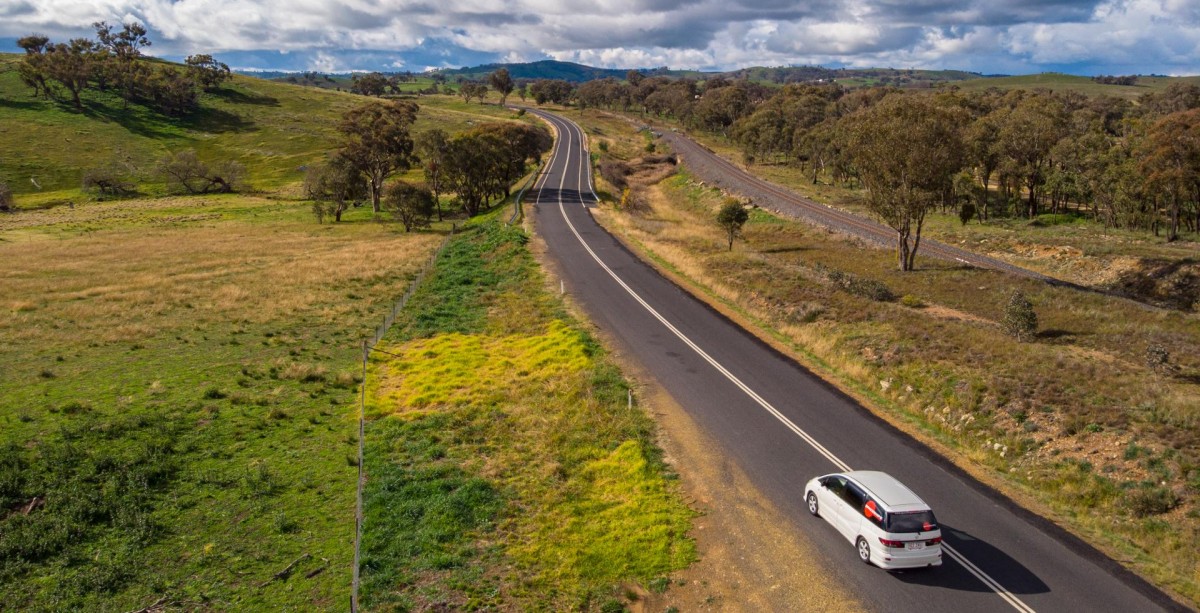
[(177, 411)]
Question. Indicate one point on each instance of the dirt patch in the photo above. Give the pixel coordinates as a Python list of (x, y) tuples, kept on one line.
[(1173, 284)]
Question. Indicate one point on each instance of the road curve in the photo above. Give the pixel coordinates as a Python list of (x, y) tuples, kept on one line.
[(783, 425), (716, 169)]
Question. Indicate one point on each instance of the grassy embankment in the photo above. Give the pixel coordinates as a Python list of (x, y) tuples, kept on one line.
[(504, 466), (179, 372), (1074, 424)]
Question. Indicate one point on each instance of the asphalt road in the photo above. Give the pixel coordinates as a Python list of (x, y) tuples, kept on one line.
[(782, 425)]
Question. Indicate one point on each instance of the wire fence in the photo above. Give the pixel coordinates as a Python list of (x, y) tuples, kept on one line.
[(368, 345)]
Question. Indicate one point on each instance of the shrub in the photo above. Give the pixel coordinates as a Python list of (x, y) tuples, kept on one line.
[(1158, 359), (911, 301), (615, 172), (1147, 501), (1020, 320), (412, 204), (860, 286)]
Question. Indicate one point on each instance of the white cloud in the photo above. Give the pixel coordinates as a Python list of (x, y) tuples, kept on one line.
[(986, 35)]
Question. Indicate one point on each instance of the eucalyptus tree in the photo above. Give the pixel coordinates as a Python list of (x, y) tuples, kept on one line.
[(502, 82), (377, 141), (906, 150)]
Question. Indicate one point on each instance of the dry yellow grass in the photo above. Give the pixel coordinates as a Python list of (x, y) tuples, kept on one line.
[(129, 284)]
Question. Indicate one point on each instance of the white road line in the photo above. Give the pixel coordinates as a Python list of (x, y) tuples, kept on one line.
[(987, 580)]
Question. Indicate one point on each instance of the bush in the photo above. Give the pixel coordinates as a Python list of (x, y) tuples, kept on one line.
[(412, 204), (1020, 320), (911, 301), (1158, 359), (860, 286), (615, 172), (1147, 501), (6, 198)]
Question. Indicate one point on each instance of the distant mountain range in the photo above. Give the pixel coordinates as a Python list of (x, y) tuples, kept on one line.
[(579, 73)]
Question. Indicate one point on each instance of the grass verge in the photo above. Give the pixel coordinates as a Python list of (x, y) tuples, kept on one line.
[(505, 468)]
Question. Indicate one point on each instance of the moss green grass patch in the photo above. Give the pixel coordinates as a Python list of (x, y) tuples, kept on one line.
[(504, 466)]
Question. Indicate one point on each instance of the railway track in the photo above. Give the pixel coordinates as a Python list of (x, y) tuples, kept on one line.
[(717, 170)]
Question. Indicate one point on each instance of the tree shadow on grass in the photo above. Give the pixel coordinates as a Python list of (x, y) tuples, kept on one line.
[(1056, 334), (33, 104), (234, 96), (134, 118), (216, 121)]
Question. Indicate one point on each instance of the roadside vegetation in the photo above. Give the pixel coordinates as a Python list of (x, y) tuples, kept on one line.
[(505, 468), (1080, 404)]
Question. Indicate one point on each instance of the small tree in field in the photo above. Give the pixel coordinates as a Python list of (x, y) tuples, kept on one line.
[(1020, 320), (731, 218), (184, 171), (411, 204), (107, 182), (333, 186), (6, 198)]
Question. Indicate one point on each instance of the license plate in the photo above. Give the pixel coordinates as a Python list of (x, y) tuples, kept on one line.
[(916, 545)]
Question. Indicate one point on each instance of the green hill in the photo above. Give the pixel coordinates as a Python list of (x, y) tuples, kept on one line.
[(1059, 82), (273, 128)]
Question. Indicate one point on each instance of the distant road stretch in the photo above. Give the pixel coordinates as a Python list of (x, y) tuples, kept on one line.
[(715, 169)]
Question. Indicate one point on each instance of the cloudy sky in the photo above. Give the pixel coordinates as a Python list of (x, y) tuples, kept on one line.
[(988, 36)]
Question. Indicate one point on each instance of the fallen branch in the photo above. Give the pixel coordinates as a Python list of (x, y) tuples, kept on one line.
[(37, 502), (285, 573)]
